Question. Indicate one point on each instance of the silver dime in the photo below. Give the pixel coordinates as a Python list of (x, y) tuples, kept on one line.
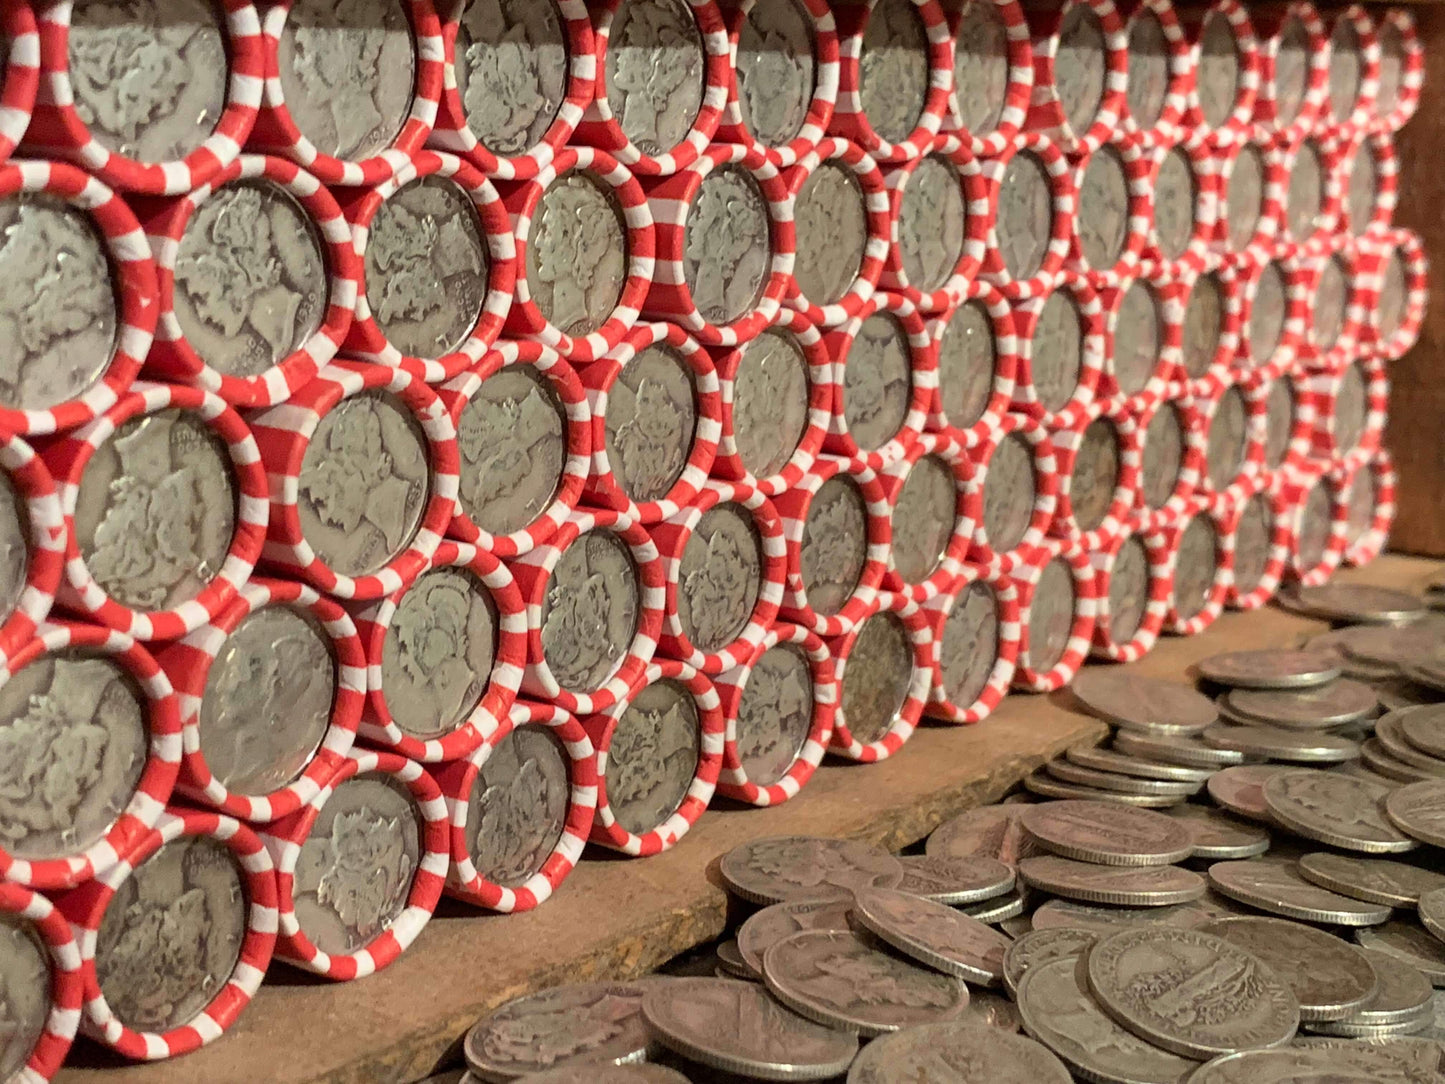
[(727, 252), (355, 868), (655, 72), (840, 980), (965, 1053), (1244, 196), (171, 935), (517, 806), (1174, 200), (1275, 743), (1186, 751), (364, 483), (731, 964), (955, 880), (1351, 398), (893, 69), (1149, 60), (73, 729), (347, 72), (512, 441), (1101, 919), (1269, 669), (577, 253), (590, 611), (15, 531), (834, 550), (774, 714), (1009, 491), (1365, 603), (925, 510), (1240, 789), (250, 278), (1079, 66), (1376, 759), (1419, 809), (650, 424), (1142, 886), (1330, 978), (998, 910), (1103, 219), (770, 402), (1375, 880), (1203, 324), (1108, 760), (993, 831), (1219, 69), (1136, 337), (1358, 1065), (1267, 313), (1047, 786), (1424, 728), (511, 70), (1291, 68), (1409, 942), (1049, 622), (1024, 214), (830, 219), (931, 216), (1228, 439), (25, 971), (1128, 594), (595, 1023), (1274, 885), (968, 647), (1328, 300), (875, 678), (652, 757), (1133, 702), (1392, 68), (718, 578), (1072, 772), (1095, 474), (776, 70), (1218, 835), (267, 701), (828, 911), (1339, 703), (1279, 422), (1038, 947), (877, 380), (1056, 350), (980, 67), (1305, 192), (967, 360), (1196, 567), (779, 868), (1335, 809), (933, 934)]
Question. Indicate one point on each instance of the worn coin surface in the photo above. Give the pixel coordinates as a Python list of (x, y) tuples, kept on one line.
[(1244, 196), (1408, 942), (1136, 337), (1330, 978), (967, 362), (1039, 947), (718, 577), (931, 217), (727, 250), (731, 964), (1424, 728), (25, 967), (590, 1073), (1376, 880), (834, 550), (517, 808), (1050, 617), (1277, 744), (1275, 885), (1219, 70), (961, 1052), (652, 757), (1203, 324), (968, 648), (776, 70), (877, 381), (1148, 82), (1419, 809), (1360, 1064), (655, 72), (924, 513), (774, 714), (993, 831), (1149, 705), (1071, 772), (1009, 492), (1108, 760), (875, 678), (1338, 703), (511, 70), (1023, 215), (933, 934), (1187, 751), (589, 613), (1101, 833), (1141, 886), (592, 1023), (1050, 786), (830, 220), (1103, 219), (1355, 602), (1393, 742), (1104, 919), (1269, 669), (1217, 835), (651, 419), (955, 880), (1403, 993), (893, 69), (770, 402), (1374, 757), (1240, 789), (1128, 594), (1079, 66), (828, 910), (1095, 474), (1432, 910), (576, 258), (1056, 350), (1336, 809), (780, 868), (1175, 196)]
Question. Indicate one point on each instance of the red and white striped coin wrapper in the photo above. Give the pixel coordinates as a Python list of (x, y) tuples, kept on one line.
[(859, 362), (1402, 69), (476, 458), (915, 223), (1313, 193), (957, 649), (712, 734), (1054, 644), (1352, 402), (1256, 534), (367, 338), (1370, 489), (720, 254), (1317, 516), (1290, 413), (377, 622), (453, 132), (57, 129), (930, 514), (1103, 448), (1368, 179), (777, 701), (1184, 182), (818, 550), (1160, 72), (1294, 56), (675, 535), (1014, 550), (65, 985), (86, 908), (533, 572), (879, 687), (1133, 579), (1201, 567), (605, 485), (1032, 272), (133, 280), (1227, 72), (1396, 291), (815, 19), (189, 664), (277, 132), (1173, 461), (21, 76), (173, 357), (1143, 326), (802, 338), (601, 127), (1104, 249), (1062, 336), (987, 133), (1071, 28), (975, 334), (1210, 306), (1354, 83), (41, 531), (525, 318), (68, 459), (460, 778), (284, 434), (929, 56), (1251, 190), (421, 884), (816, 237)]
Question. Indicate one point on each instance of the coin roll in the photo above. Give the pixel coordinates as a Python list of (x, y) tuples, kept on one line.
[(1211, 306), (545, 460), (1235, 430), (36, 538), (1057, 608), (598, 210), (1100, 456), (977, 358), (1201, 571), (791, 109), (837, 523), (1031, 191), (1313, 192), (218, 77), (1371, 496), (993, 72), (939, 223), (221, 863), (247, 700), (1133, 579), (1402, 70), (21, 76), (406, 41), (1062, 350), (1354, 72), (1318, 521), (1143, 325), (1352, 404), (52, 952), (1368, 178), (316, 853), (886, 375), (1111, 225), (499, 128), (1290, 410), (1250, 193), (931, 513), (1271, 308), (623, 553), (787, 680), (975, 645), (777, 401), (1293, 72), (1183, 181), (1014, 517), (1227, 71), (465, 598), (1255, 531), (521, 790), (724, 235), (1081, 72), (346, 520), (326, 290), (1161, 67), (663, 743), (78, 212), (891, 652), (1173, 460), (1397, 300)]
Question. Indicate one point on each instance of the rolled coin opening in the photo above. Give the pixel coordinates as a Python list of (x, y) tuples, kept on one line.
[(1176, 196), (1362, 498), (19, 76), (513, 61), (577, 253), (968, 363), (777, 70), (876, 674), (1305, 193), (1203, 329), (831, 231), (1055, 350), (649, 423), (969, 647), (1196, 568), (925, 515), (771, 403), (1217, 84), (1347, 68), (1163, 462), (1294, 46), (1362, 191), (1400, 52), (980, 67), (1227, 442), (877, 390), (1096, 474), (1149, 62), (1024, 215), (727, 251), (775, 715), (1049, 621), (656, 71), (1104, 208), (1128, 593), (1253, 549), (1397, 287), (1244, 196), (1138, 338), (833, 553), (1268, 306), (1281, 415), (1328, 300), (1352, 404), (893, 69), (1080, 66), (590, 612), (1316, 527), (931, 223), (38, 990), (1010, 493), (720, 577)]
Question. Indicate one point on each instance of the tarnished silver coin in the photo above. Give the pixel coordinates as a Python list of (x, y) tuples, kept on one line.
[(1217, 835), (877, 380), (1330, 978), (1354, 602), (1403, 993), (650, 423), (925, 510), (968, 648), (1048, 786), (992, 831), (1390, 646), (1422, 1055), (517, 807), (774, 714), (1394, 293), (1203, 324), (828, 911), (1128, 594), (1279, 422), (776, 70), (875, 677), (1079, 67), (1244, 196), (1291, 67), (834, 549), (347, 73), (1050, 617), (1316, 522), (1219, 69), (1375, 758), (967, 361), (737, 1027), (1148, 82), (1274, 743), (511, 69), (653, 756), (780, 868), (1339, 645), (512, 440), (1108, 760), (593, 1073), (980, 67), (1174, 201), (1336, 809), (1431, 675), (1266, 314), (830, 219), (1409, 942), (931, 218), (1024, 214), (719, 576), (1039, 947), (893, 69), (727, 250), (267, 701), (171, 935), (1104, 834), (1071, 772), (1388, 734), (1419, 809), (955, 880), (1375, 880), (1295, 1065), (156, 509), (1136, 335), (1240, 789), (935, 935), (73, 728), (1269, 669), (965, 1053), (841, 981), (655, 72), (993, 1010), (1424, 728), (1009, 492), (1103, 200), (250, 283), (1227, 439), (594, 1023), (25, 971), (1187, 751), (1139, 886), (590, 611), (1304, 196), (15, 530), (1324, 707), (731, 964), (1330, 295), (999, 910), (1196, 567), (1095, 474), (1056, 350), (1137, 703), (1431, 906), (576, 259), (770, 402), (1101, 919), (1275, 885)]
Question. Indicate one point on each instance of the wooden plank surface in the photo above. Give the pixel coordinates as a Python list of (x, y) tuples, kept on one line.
[(619, 918)]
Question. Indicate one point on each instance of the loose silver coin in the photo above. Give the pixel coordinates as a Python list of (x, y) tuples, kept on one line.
[(655, 72), (719, 577), (1269, 669), (1130, 702), (1275, 885), (593, 1073), (1000, 910), (1419, 809), (595, 1023), (576, 253), (1379, 760), (1046, 786), (1431, 675), (1432, 911), (933, 934), (653, 756), (1403, 993), (517, 808), (1408, 942), (1070, 772), (590, 611), (782, 868), (964, 1053), (1105, 834), (25, 971), (1375, 880), (1274, 743), (1334, 809), (992, 1010), (875, 678), (1339, 703), (955, 880), (1217, 835), (834, 549), (1422, 1055), (1108, 760), (1105, 919), (829, 911), (1039, 947), (1339, 645), (992, 831), (1186, 751), (1240, 789), (1143, 886), (1388, 647), (1360, 1065), (1353, 602), (1390, 737)]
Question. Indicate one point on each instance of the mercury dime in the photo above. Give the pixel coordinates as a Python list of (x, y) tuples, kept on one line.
[(893, 69), (776, 70), (774, 714), (1424, 728), (1331, 979), (1305, 192), (1291, 68), (965, 1053), (1163, 456), (1375, 880), (1079, 66), (655, 72), (1269, 669), (1218, 835), (1174, 200), (968, 648), (1274, 884), (1187, 751), (1346, 69), (1240, 789), (727, 252), (1056, 350), (1275, 743), (875, 677), (25, 972), (1358, 1065), (1339, 703), (15, 531), (1133, 702), (830, 219), (1219, 70), (967, 357), (171, 935), (1266, 314), (589, 613), (1196, 567), (1023, 214), (1038, 947), (1394, 294), (840, 980), (1009, 493), (267, 701), (1136, 337), (829, 911), (1101, 833), (718, 578), (993, 831), (517, 806), (1050, 619), (877, 380), (931, 216), (512, 439), (1148, 83), (1095, 474), (1408, 942), (834, 550), (576, 253), (769, 402), (652, 757), (1071, 772), (594, 1023), (1128, 590), (924, 513), (1203, 325), (1422, 1055), (346, 73), (1328, 299), (1108, 760), (650, 422), (1244, 196), (1420, 810), (1279, 422), (933, 934), (1103, 219), (511, 71), (781, 868), (955, 880), (1228, 439), (980, 67)]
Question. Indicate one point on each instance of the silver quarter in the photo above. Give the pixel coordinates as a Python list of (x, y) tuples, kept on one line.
[(1279, 422), (1219, 69), (1100, 833), (1049, 621), (1240, 789), (980, 67), (1359, 1065), (1244, 197), (963, 1052), (1163, 456), (25, 971), (968, 648), (1136, 335), (653, 756), (780, 868), (1149, 60), (511, 71), (655, 72), (1274, 743), (1424, 728), (924, 513), (595, 1023), (1107, 760), (1217, 835), (590, 611), (1419, 809), (1141, 886), (577, 253), (893, 69), (1024, 214), (1071, 772), (718, 577), (1304, 193), (1334, 809), (770, 402), (1095, 474), (1375, 880), (1128, 595), (1102, 919), (935, 935), (774, 714), (1269, 669), (1047, 786), (1174, 200), (992, 831), (1291, 68), (1079, 67), (1103, 221), (877, 380), (1148, 705), (875, 678), (829, 911), (967, 362), (650, 423), (830, 218), (1266, 314), (998, 911), (834, 549), (1339, 703), (727, 250), (1203, 324), (776, 71), (1408, 942), (1009, 493), (1038, 947), (1355, 603), (1227, 439), (1274, 885), (1196, 567), (1187, 751), (931, 217), (517, 806), (1056, 350), (955, 880)]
